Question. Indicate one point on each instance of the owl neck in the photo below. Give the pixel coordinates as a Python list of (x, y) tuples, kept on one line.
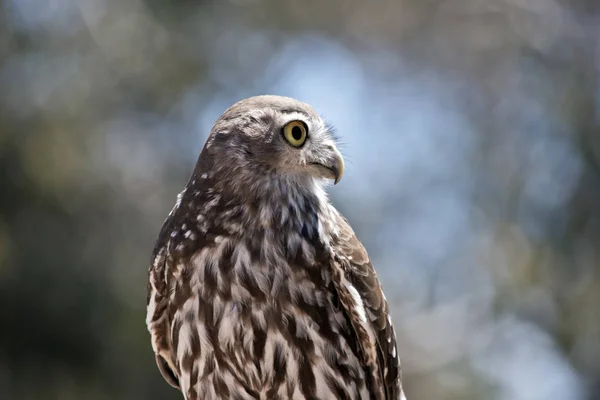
[(262, 202), (290, 203)]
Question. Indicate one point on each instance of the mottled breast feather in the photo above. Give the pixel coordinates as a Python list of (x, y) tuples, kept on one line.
[(354, 288)]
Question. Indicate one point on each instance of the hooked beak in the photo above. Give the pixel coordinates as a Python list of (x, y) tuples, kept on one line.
[(332, 165)]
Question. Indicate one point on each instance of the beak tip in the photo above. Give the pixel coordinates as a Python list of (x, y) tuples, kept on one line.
[(339, 170)]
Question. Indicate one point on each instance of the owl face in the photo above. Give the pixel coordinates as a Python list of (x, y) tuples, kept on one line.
[(282, 139)]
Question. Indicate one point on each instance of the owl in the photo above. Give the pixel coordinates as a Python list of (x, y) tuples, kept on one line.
[(259, 288)]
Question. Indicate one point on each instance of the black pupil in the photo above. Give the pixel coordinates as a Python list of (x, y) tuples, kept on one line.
[(296, 133)]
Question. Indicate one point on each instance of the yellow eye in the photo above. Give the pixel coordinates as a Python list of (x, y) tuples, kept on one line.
[(295, 133)]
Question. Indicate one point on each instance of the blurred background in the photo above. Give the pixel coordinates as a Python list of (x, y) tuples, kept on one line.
[(471, 131)]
